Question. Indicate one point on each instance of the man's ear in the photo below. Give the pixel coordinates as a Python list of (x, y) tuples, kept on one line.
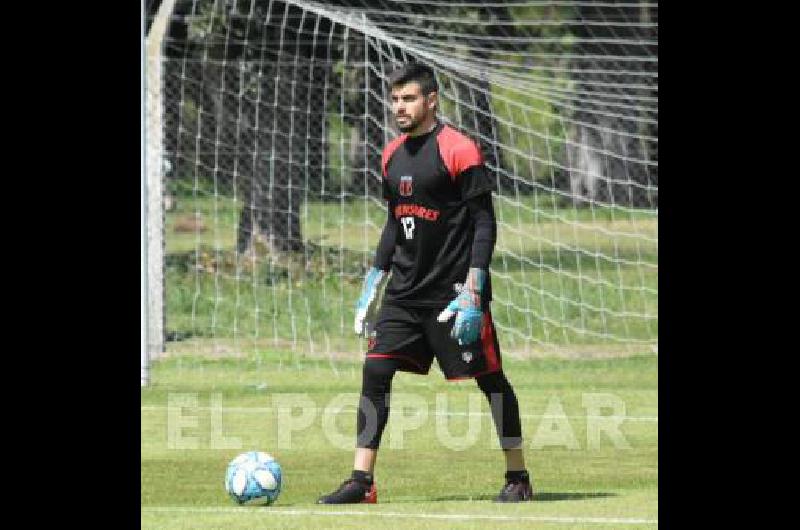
[(433, 100)]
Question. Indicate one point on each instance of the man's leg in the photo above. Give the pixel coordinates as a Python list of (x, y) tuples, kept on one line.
[(373, 413), (505, 414), (365, 459)]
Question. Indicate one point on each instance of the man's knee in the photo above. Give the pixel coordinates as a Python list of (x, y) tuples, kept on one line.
[(377, 376), (373, 407), (493, 383)]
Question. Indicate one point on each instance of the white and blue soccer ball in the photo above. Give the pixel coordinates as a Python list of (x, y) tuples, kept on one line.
[(253, 477)]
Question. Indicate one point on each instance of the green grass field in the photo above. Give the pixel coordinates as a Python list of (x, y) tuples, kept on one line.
[(200, 412), (576, 304), (561, 276)]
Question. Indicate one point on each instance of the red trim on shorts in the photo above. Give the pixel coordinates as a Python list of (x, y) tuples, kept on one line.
[(487, 338), (397, 356)]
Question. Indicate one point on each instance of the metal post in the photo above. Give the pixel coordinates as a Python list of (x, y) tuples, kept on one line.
[(154, 181), (144, 297)]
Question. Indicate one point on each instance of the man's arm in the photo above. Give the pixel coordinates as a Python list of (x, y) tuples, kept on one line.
[(482, 212), (383, 256), (377, 274), (467, 305)]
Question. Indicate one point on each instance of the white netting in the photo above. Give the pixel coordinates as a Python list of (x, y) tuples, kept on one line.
[(274, 117)]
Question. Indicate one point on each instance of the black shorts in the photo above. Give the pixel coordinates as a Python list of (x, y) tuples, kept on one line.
[(414, 337)]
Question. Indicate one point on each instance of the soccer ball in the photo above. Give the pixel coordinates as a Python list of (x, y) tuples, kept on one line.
[(253, 478)]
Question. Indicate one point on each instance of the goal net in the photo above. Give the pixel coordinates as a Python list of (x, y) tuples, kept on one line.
[(272, 116)]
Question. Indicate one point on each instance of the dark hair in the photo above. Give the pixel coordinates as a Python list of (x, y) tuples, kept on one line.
[(418, 72)]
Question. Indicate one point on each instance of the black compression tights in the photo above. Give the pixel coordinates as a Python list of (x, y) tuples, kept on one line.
[(373, 406)]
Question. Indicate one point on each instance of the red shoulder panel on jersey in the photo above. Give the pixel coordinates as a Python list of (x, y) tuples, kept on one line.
[(389, 150), (458, 151)]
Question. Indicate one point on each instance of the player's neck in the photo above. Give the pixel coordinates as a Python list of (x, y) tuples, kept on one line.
[(425, 127)]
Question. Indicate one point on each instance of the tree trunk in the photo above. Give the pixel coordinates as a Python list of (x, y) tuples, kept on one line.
[(625, 177)]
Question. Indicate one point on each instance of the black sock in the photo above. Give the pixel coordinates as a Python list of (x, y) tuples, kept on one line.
[(517, 476), (363, 477)]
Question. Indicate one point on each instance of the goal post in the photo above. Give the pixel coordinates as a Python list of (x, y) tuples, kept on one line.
[(153, 316), (143, 346)]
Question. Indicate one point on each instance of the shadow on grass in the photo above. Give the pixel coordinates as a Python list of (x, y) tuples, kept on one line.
[(538, 496), (572, 496)]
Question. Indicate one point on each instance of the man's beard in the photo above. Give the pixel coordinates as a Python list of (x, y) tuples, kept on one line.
[(412, 124)]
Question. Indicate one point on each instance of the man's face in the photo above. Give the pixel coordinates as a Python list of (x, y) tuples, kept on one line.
[(410, 107)]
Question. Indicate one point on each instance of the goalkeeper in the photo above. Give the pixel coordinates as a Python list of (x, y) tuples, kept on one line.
[(437, 243)]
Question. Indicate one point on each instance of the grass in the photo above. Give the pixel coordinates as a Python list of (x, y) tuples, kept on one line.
[(356, 224), (561, 276), (231, 405)]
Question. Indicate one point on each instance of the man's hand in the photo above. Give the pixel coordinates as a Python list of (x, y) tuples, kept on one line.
[(369, 291), (467, 308)]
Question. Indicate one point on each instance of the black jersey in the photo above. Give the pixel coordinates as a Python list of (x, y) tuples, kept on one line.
[(427, 180)]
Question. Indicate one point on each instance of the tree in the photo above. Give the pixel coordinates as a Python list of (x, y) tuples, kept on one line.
[(627, 177), (242, 114)]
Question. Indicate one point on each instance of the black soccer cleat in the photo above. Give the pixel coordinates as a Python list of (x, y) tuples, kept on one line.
[(516, 491), (351, 492)]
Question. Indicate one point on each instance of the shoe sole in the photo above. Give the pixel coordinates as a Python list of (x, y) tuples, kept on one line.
[(371, 497)]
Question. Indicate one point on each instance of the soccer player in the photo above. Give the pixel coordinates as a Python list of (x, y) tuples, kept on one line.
[(438, 242)]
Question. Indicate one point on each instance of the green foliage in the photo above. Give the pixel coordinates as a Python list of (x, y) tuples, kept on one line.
[(530, 122), (338, 149), (211, 18), (531, 134)]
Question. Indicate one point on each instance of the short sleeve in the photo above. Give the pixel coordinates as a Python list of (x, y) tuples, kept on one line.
[(386, 156), (464, 162)]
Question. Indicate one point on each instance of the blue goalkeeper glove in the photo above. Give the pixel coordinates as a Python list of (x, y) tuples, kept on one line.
[(467, 308), (366, 302)]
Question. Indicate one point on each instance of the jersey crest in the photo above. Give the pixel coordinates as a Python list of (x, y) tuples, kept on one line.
[(406, 187)]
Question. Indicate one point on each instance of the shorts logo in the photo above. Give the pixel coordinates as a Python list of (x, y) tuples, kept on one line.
[(406, 185), (458, 287), (467, 356)]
